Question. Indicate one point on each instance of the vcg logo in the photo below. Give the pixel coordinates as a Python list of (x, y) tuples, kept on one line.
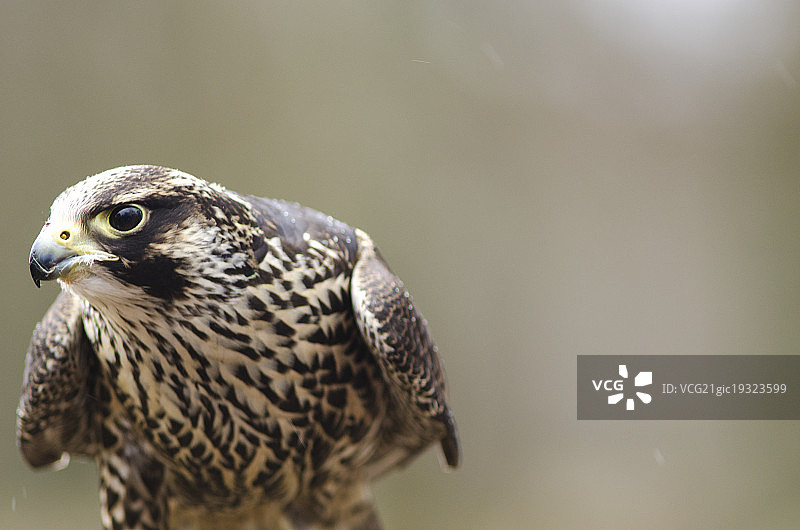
[(618, 386)]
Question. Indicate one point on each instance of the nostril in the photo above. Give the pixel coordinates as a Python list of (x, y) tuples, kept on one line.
[(64, 235)]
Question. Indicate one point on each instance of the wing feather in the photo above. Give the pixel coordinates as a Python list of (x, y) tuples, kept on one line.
[(399, 338), (55, 412)]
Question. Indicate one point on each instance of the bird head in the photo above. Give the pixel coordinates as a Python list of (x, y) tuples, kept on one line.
[(141, 231)]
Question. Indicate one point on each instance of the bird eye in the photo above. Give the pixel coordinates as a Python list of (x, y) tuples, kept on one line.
[(126, 217)]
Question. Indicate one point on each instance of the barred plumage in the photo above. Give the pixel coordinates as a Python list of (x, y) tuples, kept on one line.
[(228, 360)]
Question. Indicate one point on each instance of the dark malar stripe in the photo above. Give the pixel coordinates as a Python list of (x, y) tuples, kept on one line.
[(158, 277)]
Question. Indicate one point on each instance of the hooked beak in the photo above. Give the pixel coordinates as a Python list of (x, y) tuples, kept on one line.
[(60, 253)]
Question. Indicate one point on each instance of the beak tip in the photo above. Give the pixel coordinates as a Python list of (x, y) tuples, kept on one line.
[(38, 273)]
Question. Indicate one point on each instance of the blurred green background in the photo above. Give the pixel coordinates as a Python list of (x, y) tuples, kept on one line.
[(550, 179)]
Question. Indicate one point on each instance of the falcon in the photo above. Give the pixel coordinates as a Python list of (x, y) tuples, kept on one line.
[(229, 361)]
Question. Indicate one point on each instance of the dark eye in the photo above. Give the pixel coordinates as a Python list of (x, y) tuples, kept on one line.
[(125, 217)]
